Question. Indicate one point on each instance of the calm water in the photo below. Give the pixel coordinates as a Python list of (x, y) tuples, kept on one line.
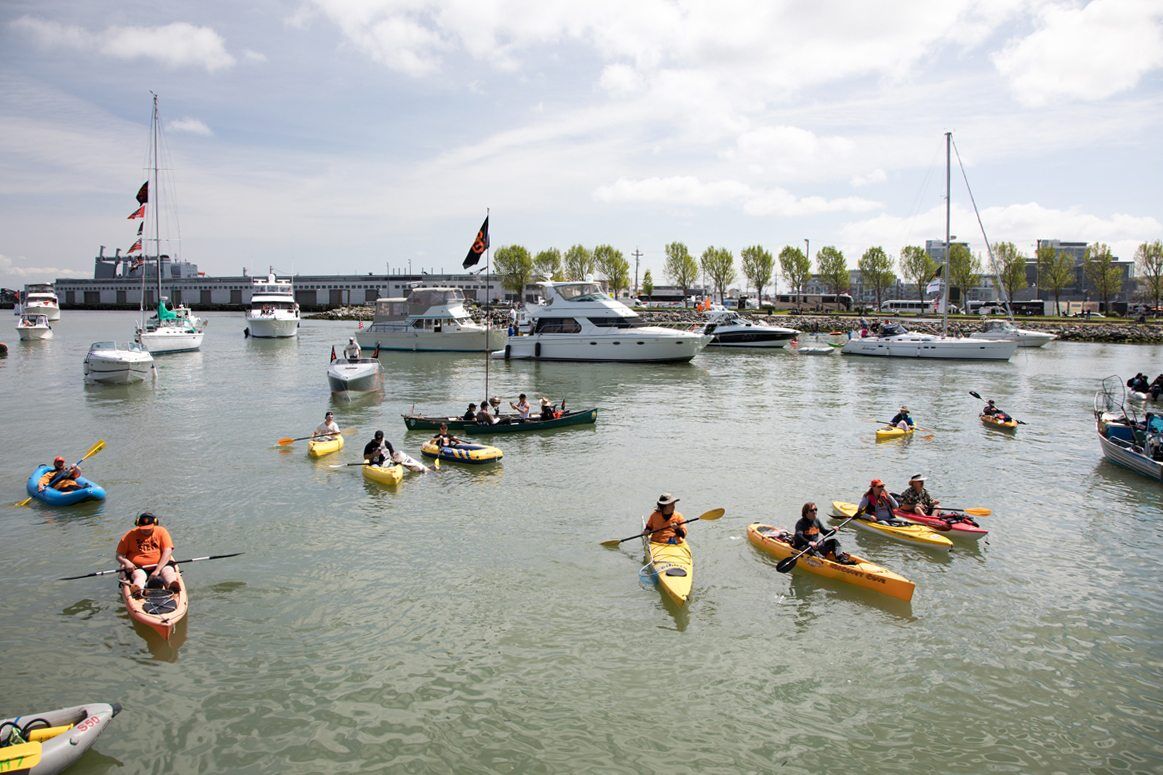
[(469, 621)]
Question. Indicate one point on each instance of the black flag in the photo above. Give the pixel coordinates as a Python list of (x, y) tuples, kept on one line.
[(140, 226), (479, 246), (143, 193)]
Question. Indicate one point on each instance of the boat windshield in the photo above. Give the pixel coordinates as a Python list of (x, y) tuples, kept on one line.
[(618, 322), (581, 292), (893, 329)]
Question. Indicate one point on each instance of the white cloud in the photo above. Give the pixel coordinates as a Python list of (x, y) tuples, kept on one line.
[(17, 268), (875, 176), (691, 191), (621, 80), (254, 56), (173, 45), (188, 125), (1089, 52)]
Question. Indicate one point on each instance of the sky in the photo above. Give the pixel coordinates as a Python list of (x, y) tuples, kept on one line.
[(355, 136)]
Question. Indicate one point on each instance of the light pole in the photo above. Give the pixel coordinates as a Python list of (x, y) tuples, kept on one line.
[(807, 255)]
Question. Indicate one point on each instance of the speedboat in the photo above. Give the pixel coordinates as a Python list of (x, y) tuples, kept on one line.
[(355, 375), (1004, 330), (41, 299), (110, 364), (896, 341), (428, 320), (171, 330), (273, 312), (730, 329), (32, 327), (580, 322)]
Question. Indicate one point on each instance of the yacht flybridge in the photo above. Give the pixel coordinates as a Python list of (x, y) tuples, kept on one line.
[(580, 322), (1006, 330), (41, 299), (273, 312), (429, 320)]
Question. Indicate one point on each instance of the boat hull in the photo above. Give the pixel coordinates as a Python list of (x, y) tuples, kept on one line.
[(118, 367), (164, 341), (1121, 452), (76, 730), (913, 535), (361, 377), (463, 453), (1001, 425), (389, 475), (634, 345), (942, 348), (267, 327), (49, 310), (773, 339), (1023, 338), (317, 448), (34, 333), (159, 610), (515, 425), (431, 341), (887, 434), (88, 491)]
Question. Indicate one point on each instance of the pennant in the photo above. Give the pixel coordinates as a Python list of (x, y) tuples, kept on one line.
[(479, 246), (140, 227), (143, 193), (136, 247), (139, 213), (332, 352), (934, 286)]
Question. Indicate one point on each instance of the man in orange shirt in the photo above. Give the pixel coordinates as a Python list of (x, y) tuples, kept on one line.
[(668, 522), (144, 555)]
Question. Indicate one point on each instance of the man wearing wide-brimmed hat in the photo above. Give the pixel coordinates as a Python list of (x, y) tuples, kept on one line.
[(916, 499), (667, 521)]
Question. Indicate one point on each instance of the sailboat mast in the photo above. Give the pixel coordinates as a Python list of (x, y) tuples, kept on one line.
[(157, 240), (948, 204), (488, 316)]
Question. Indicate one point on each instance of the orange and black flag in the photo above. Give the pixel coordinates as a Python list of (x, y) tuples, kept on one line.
[(143, 193), (479, 246)]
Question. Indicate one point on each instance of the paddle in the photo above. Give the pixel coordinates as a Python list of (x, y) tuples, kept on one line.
[(20, 758), (787, 563), (93, 450), (709, 516), (976, 511), (977, 395), (288, 440), (143, 567)]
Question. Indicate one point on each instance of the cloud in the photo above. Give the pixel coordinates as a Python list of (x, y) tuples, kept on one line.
[(188, 125), (1086, 53), (11, 267), (875, 176), (692, 192), (175, 45), (254, 56)]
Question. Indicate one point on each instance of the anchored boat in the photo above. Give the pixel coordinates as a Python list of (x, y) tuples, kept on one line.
[(429, 320), (730, 329), (41, 299), (273, 312), (110, 364), (506, 424), (33, 327)]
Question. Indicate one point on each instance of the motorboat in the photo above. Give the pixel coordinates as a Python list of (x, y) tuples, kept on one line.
[(730, 329), (355, 375), (1126, 441), (896, 341), (171, 330), (1003, 330), (33, 327), (580, 322), (111, 364), (41, 299), (273, 313), (428, 320)]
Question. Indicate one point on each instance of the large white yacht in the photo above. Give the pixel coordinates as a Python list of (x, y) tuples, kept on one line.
[(580, 322), (429, 320), (41, 299), (273, 312), (1006, 330), (895, 341)]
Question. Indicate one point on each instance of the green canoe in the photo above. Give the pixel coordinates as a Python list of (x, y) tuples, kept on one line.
[(508, 424)]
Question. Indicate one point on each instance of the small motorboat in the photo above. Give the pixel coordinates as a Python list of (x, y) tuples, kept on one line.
[(730, 329), (1004, 330), (51, 741), (33, 327), (355, 375), (111, 364)]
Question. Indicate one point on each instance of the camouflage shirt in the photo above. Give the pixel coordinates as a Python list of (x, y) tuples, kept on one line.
[(911, 497)]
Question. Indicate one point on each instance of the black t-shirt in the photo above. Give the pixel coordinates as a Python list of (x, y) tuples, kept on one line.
[(372, 446)]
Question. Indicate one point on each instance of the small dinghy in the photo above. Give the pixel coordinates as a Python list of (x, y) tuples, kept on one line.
[(463, 452), (33, 327), (111, 364), (359, 375), (51, 741), (86, 491)]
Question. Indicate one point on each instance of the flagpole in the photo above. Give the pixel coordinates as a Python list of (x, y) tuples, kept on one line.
[(488, 316)]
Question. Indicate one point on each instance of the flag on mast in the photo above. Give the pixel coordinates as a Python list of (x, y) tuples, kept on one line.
[(934, 285), (143, 193), (479, 246), (136, 247), (140, 228), (138, 213)]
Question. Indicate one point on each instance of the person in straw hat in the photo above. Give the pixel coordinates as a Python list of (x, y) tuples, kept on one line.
[(666, 520), (902, 419), (916, 499)]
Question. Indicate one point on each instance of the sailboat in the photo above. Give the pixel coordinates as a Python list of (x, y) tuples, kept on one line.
[(171, 329), (896, 341)]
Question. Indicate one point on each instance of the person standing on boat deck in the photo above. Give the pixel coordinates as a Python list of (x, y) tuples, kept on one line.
[(471, 414), (810, 533), (668, 522), (326, 429), (376, 451), (352, 351), (917, 499), (147, 544), (902, 419), (59, 477), (522, 406), (877, 504), (445, 439)]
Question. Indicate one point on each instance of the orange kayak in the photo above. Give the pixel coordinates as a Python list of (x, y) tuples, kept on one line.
[(996, 422), (158, 609)]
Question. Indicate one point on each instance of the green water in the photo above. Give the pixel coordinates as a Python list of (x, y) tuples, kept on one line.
[(469, 622)]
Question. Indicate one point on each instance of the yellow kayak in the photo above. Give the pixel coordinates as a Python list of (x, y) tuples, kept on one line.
[(1000, 424), (906, 534), (384, 474), (884, 434), (672, 566), (320, 447), (777, 543)]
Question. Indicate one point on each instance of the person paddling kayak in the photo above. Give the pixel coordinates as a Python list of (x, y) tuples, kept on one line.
[(376, 451), (147, 544), (326, 429), (916, 498), (60, 477), (877, 504), (810, 535), (902, 419), (666, 520), (991, 410)]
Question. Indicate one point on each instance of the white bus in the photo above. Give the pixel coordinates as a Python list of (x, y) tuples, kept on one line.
[(915, 306)]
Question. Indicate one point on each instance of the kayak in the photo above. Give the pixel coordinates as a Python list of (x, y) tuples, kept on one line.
[(914, 535), (319, 447), (884, 434), (671, 566), (462, 453), (158, 609), (54, 739), (1004, 425), (950, 524), (383, 474), (868, 575), (88, 490)]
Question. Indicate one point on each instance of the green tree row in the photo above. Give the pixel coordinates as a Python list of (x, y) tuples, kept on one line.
[(516, 266)]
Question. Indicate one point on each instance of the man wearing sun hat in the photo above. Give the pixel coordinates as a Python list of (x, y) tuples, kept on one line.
[(902, 419), (667, 521), (916, 499)]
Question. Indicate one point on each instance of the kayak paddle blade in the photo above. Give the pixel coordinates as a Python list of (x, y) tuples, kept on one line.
[(19, 758), (711, 515), (786, 564)]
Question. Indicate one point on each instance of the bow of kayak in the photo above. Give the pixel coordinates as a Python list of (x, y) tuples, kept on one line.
[(384, 474), (887, 434), (671, 566), (317, 448)]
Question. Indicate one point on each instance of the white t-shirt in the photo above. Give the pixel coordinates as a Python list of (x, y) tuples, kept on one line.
[(324, 428)]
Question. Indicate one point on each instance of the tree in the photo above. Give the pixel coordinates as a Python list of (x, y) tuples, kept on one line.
[(579, 262), (758, 266), (719, 264), (1056, 271), (1011, 265), (681, 267), (547, 263), (876, 270), (964, 272), (605, 257), (917, 267), (833, 269), (1098, 264), (1149, 257), (647, 284), (795, 268), (614, 266), (514, 265)]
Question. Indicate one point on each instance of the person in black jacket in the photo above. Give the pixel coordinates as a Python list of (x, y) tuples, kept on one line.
[(810, 533)]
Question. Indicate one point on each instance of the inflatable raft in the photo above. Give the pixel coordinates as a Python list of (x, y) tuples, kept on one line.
[(88, 491), (462, 453), (52, 741)]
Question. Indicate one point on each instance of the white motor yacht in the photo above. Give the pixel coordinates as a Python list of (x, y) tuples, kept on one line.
[(32, 327), (41, 299), (896, 341), (273, 313), (429, 320), (355, 375), (580, 322), (1004, 330), (730, 329), (110, 364)]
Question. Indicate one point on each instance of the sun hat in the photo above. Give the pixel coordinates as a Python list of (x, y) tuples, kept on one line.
[(904, 408), (666, 499), (917, 478), (544, 401)]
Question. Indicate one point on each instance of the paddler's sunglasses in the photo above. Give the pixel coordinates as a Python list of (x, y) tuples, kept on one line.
[(813, 508)]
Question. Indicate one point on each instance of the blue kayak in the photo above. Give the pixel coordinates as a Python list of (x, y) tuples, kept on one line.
[(88, 491)]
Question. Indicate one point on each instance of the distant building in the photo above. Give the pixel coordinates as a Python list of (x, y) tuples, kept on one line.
[(1081, 289)]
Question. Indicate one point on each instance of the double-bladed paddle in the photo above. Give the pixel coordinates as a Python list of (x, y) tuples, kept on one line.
[(787, 563), (93, 450), (709, 516), (288, 440), (143, 567), (977, 395)]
